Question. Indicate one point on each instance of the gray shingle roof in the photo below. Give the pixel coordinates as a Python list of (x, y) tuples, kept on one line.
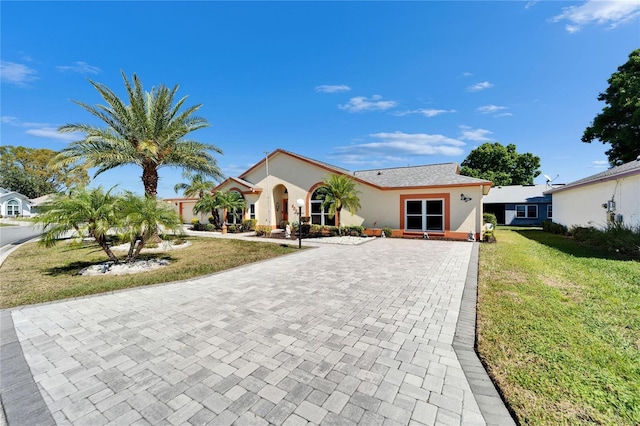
[(626, 169), (413, 176), (517, 194)]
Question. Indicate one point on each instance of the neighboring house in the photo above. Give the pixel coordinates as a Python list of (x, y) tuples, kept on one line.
[(613, 195), (14, 204), (519, 204), (433, 199), (36, 203)]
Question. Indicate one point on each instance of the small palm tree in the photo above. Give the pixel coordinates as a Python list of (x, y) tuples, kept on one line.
[(197, 185), (229, 201), (141, 218), (149, 132), (83, 212), (338, 192), (208, 203)]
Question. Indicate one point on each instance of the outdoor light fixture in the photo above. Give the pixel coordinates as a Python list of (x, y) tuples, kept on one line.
[(464, 198), (300, 203)]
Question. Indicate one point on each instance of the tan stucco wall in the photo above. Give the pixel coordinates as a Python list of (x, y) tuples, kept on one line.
[(582, 206), (380, 208)]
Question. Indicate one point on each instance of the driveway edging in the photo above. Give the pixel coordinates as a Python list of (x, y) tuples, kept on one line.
[(489, 401)]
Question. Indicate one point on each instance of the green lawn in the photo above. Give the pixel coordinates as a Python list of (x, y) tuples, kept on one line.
[(33, 274), (559, 329)]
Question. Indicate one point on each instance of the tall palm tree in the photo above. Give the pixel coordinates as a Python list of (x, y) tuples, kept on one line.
[(197, 185), (148, 131), (338, 192), (83, 212)]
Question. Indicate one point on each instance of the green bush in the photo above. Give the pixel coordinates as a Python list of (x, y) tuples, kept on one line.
[(353, 231), (209, 227), (334, 231), (617, 238), (490, 218), (211, 219), (249, 224), (263, 231), (554, 228), (284, 223), (388, 232), (232, 228), (195, 221)]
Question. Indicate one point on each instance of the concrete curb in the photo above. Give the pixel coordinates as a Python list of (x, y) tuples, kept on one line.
[(489, 401)]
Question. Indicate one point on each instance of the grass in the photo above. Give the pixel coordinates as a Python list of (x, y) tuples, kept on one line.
[(34, 274), (559, 329)]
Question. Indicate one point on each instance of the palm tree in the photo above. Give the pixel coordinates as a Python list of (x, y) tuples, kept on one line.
[(141, 217), (229, 201), (208, 203), (338, 192), (83, 212), (196, 186), (149, 132)]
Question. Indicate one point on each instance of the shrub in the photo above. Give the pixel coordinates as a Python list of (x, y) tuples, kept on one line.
[(618, 238), (488, 236), (314, 229), (283, 224), (354, 231), (388, 232), (305, 228), (334, 231), (232, 228), (263, 231), (554, 228), (195, 221), (211, 219), (209, 227), (249, 224), (490, 218)]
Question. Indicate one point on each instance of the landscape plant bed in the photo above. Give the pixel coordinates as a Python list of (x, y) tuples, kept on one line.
[(34, 274), (559, 330)]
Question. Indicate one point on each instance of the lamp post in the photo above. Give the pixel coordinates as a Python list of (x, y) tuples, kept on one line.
[(300, 203)]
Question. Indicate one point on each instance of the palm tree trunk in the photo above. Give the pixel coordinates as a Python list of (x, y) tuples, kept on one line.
[(102, 242), (224, 220), (150, 179)]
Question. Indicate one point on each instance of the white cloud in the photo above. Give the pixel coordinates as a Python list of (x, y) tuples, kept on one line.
[(42, 130), (600, 164), (17, 74), (611, 13), (361, 103), (52, 133), (470, 134), (396, 146), (79, 67), (329, 88), (479, 86), (489, 109), (424, 112)]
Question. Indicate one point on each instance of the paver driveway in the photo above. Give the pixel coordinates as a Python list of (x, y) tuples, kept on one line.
[(333, 335)]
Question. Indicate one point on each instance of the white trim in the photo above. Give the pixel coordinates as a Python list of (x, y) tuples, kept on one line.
[(424, 215)]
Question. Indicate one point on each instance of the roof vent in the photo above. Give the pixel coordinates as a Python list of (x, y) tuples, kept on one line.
[(379, 172)]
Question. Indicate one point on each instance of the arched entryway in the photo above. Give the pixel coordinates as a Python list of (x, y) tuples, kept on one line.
[(281, 205)]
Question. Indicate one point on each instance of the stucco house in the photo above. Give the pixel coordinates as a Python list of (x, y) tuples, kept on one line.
[(433, 199), (14, 204), (613, 195), (521, 205)]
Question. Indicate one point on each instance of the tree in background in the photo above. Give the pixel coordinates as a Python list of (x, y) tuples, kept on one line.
[(149, 132), (619, 122), (502, 165), (338, 192), (197, 185), (25, 170)]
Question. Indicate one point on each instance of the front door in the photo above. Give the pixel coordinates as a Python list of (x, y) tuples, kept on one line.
[(285, 209)]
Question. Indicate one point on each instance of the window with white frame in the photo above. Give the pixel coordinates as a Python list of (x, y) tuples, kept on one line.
[(252, 211), (318, 214), (549, 211), (13, 208), (526, 211), (424, 215)]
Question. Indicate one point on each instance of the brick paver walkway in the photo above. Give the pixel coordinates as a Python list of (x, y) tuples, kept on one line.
[(337, 335)]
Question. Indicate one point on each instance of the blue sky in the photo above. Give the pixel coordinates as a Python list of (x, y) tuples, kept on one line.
[(361, 85)]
